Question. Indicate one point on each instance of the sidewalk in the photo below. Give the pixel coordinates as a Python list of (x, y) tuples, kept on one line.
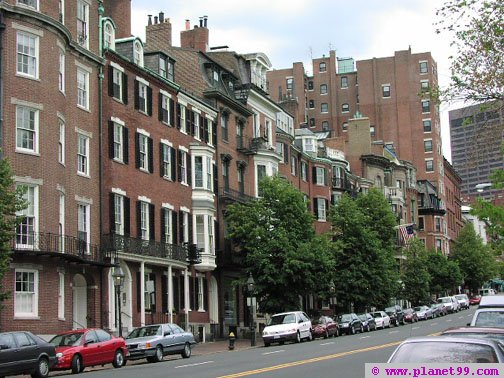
[(220, 346)]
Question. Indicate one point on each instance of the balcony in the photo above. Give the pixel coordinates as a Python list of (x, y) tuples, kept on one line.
[(250, 146), (393, 194), (150, 248), (65, 247), (232, 195)]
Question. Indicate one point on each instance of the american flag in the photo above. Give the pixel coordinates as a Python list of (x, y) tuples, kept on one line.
[(407, 232)]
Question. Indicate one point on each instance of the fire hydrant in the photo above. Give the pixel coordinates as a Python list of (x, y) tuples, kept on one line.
[(232, 339)]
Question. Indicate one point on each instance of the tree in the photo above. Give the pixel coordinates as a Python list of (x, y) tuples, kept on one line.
[(476, 263), (275, 234), (415, 276), (444, 274), (11, 202)]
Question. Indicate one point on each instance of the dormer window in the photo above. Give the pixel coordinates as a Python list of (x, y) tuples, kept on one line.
[(138, 53), (309, 145), (109, 36), (83, 24), (215, 76), (166, 68)]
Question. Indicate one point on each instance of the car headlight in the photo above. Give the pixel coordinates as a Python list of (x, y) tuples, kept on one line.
[(265, 333), (344, 324), (144, 345), (59, 355)]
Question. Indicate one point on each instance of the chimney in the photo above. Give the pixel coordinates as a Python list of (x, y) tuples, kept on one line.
[(150, 19), (196, 38), (187, 24), (158, 35), (120, 12)]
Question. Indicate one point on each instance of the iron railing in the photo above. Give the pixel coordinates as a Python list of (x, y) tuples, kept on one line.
[(234, 195)]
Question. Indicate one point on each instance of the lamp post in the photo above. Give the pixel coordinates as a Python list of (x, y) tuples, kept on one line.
[(251, 302), (118, 276)]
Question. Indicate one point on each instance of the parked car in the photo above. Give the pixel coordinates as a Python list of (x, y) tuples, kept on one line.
[(153, 342), (423, 312), (324, 326), (24, 353), (486, 291), (382, 319), (492, 301), (350, 324), (477, 332), (463, 301), (294, 325), (410, 315), (488, 317), (475, 300), (435, 349), (368, 322), (396, 315), (80, 348), (450, 303)]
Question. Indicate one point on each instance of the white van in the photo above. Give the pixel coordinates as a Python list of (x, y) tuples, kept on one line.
[(487, 291)]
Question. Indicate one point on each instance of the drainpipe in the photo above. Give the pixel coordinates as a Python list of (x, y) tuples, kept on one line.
[(2, 29)]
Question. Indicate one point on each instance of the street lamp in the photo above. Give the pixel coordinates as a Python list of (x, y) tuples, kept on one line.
[(251, 302), (118, 276)]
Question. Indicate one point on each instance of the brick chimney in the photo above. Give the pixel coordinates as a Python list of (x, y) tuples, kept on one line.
[(158, 34), (196, 38), (120, 12)]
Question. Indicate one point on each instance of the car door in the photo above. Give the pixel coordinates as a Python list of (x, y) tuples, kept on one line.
[(91, 349), (106, 345), (28, 350), (305, 325), (9, 360), (169, 339)]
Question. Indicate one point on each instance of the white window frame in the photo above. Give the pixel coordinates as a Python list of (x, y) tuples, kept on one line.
[(19, 312), (344, 82), (201, 294), (168, 226), (321, 210), (31, 196), (326, 105), (142, 97), (165, 106), (199, 226), (422, 104), (167, 161), (143, 150), (84, 223), (117, 79), (293, 165), (345, 108), (29, 44), (320, 174), (183, 125), (138, 54), (423, 125), (383, 90), (144, 220), (61, 296), (432, 162), (424, 85), (82, 88), (82, 19), (304, 170), (183, 167), (420, 67), (61, 222), (61, 141), (118, 142), (62, 11), (118, 214), (210, 132), (61, 71), (185, 227), (196, 125), (83, 142), (21, 127), (431, 146), (322, 93), (108, 36)]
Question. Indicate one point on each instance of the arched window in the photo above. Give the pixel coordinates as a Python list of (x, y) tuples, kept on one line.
[(108, 36), (138, 54)]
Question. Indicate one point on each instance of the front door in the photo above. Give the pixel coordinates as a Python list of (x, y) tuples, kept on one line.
[(79, 291)]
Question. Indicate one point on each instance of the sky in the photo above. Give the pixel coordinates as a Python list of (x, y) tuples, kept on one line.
[(289, 31)]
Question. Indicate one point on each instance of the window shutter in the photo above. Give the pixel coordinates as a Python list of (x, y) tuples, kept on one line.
[(111, 139), (138, 301), (307, 170), (179, 120), (126, 216), (314, 175), (137, 97), (160, 107), (125, 88), (152, 219), (149, 101), (215, 179), (111, 81), (205, 129), (205, 294), (286, 153), (193, 125), (189, 175), (192, 302), (125, 146), (139, 218), (182, 292), (176, 293), (174, 227), (181, 226), (217, 239), (201, 126), (179, 166), (190, 229), (188, 120), (315, 207), (172, 113), (163, 225), (161, 160), (137, 150), (173, 153), (214, 133), (164, 292), (325, 176), (150, 154), (326, 207), (112, 213)]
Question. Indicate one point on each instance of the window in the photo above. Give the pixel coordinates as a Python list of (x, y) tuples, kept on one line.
[(309, 145), (108, 36), (424, 85), (143, 98), (290, 83), (425, 106), (27, 228), (439, 245), (144, 221), (196, 125), (321, 209), (167, 162), (293, 165), (424, 67), (427, 125), (185, 227), (438, 224), (27, 124), (323, 89), (61, 72), (143, 152), (83, 89), (61, 142), (372, 130), (26, 293), (200, 231), (429, 165), (164, 110), (344, 126), (167, 226), (324, 108), (225, 174), (27, 54), (183, 167), (322, 67), (225, 126), (312, 122), (304, 171), (257, 126), (241, 179), (319, 176), (325, 126), (428, 145), (118, 214), (345, 108), (166, 68), (344, 82), (117, 84), (61, 222), (311, 104), (261, 173), (82, 24), (280, 149), (421, 224), (82, 154), (198, 171), (181, 118), (138, 54), (310, 85), (83, 227), (61, 9), (29, 3), (386, 90), (61, 296)]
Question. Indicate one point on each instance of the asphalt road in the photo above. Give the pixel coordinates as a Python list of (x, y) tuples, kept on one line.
[(342, 357)]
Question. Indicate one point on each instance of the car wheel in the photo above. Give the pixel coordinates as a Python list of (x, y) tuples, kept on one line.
[(336, 334), (298, 337), (186, 353), (158, 357), (76, 365), (266, 344), (42, 370), (118, 359), (326, 334), (352, 330)]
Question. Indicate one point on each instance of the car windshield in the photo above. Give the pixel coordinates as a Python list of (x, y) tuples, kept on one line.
[(145, 332), (460, 296), (490, 319), (418, 308), (408, 311), (346, 318), (444, 300), (377, 315), (437, 352), (67, 339), (282, 319)]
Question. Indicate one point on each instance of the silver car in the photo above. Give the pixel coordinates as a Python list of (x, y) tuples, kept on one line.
[(153, 342)]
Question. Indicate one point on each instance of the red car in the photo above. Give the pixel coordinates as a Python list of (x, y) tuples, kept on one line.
[(475, 300), (324, 327), (80, 348)]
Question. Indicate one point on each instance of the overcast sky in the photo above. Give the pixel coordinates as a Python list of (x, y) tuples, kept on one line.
[(290, 31)]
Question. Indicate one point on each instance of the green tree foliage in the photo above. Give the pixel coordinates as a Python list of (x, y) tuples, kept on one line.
[(444, 274), (276, 236), (476, 262), (11, 202), (414, 275), (363, 235)]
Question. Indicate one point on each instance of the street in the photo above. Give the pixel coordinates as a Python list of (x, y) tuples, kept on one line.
[(334, 357)]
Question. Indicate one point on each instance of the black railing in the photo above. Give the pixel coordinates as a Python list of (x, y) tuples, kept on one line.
[(234, 195), (64, 245), (126, 244)]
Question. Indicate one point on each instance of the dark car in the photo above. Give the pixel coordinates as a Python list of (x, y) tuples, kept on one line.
[(396, 315), (25, 353), (368, 322), (324, 326), (410, 315), (350, 324)]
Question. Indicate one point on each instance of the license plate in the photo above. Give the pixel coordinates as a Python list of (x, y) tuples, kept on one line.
[(276, 337)]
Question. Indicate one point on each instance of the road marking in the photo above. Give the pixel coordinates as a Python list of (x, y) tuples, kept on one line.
[(308, 361), (448, 320), (393, 331), (364, 337), (189, 365), (415, 328), (461, 317), (329, 343), (432, 324), (276, 351)]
